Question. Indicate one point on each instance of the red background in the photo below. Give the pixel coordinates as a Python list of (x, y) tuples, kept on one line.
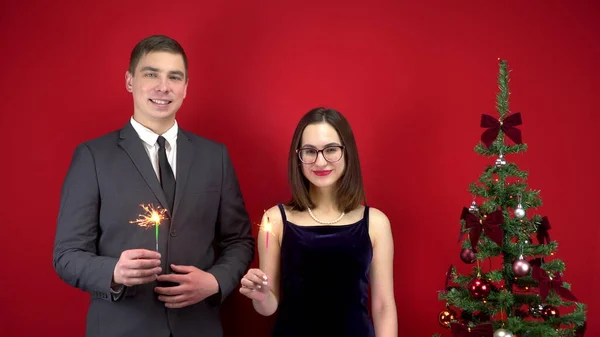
[(413, 79)]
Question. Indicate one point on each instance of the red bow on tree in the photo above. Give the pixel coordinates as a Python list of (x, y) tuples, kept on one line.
[(508, 126), (542, 234), (448, 277), (482, 330), (547, 282), (463, 215), (489, 225)]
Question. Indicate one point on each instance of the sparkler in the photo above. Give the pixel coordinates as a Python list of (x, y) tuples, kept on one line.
[(267, 228), (152, 217)]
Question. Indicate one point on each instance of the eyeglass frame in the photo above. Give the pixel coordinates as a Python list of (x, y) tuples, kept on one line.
[(342, 147)]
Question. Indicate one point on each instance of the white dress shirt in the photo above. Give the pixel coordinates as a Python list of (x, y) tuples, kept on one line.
[(149, 139)]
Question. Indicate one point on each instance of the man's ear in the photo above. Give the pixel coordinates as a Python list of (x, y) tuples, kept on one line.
[(185, 89), (128, 81)]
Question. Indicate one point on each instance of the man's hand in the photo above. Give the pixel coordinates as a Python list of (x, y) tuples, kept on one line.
[(194, 286), (137, 266)]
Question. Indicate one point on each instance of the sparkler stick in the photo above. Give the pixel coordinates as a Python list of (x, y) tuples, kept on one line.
[(151, 217), (266, 227)]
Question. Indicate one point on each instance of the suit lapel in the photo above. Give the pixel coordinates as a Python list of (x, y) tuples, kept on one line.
[(185, 155), (132, 144)]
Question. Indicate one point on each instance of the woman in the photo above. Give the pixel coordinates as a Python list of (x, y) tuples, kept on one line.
[(325, 248)]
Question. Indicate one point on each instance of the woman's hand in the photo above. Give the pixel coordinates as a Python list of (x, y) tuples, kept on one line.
[(255, 285)]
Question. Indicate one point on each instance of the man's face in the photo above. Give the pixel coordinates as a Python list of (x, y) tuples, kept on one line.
[(158, 86)]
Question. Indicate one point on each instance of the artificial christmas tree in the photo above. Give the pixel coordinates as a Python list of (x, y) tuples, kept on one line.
[(525, 295)]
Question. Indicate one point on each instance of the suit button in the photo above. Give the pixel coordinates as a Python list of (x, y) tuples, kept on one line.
[(173, 233)]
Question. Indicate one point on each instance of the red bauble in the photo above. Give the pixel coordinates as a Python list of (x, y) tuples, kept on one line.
[(479, 288), (467, 256), (483, 317), (446, 317), (550, 311), (521, 313), (536, 310)]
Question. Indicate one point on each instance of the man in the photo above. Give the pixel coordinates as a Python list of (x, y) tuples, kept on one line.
[(204, 241)]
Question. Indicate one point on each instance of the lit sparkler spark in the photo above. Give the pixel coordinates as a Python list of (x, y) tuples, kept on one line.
[(152, 217)]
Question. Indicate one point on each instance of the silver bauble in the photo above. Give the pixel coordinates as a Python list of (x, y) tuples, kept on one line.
[(473, 208), (521, 267), (503, 333), (519, 211), (500, 161)]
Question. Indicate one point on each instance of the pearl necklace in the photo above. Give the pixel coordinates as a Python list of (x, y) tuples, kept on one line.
[(324, 222)]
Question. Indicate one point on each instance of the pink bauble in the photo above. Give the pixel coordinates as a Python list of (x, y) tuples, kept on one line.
[(521, 268)]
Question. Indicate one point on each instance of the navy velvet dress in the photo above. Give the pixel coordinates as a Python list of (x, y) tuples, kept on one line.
[(324, 280)]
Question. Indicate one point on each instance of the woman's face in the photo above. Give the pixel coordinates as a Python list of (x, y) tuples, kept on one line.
[(322, 155)]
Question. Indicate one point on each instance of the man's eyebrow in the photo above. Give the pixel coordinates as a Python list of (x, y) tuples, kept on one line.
[(148, 68), (177, 72)]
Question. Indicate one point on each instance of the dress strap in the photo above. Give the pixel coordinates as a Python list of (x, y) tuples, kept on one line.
[(366, 216), (283, 217)]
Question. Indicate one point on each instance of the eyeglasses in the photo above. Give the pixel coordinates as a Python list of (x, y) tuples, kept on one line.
[(331, 154)]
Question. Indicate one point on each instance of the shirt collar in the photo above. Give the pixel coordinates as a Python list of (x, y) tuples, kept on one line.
[(149, 137)]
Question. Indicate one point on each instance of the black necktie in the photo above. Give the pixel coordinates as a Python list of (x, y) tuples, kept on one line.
[(167, 179)]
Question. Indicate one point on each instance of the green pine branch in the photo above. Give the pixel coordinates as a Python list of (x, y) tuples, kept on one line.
[(502, 98), (496, 148)]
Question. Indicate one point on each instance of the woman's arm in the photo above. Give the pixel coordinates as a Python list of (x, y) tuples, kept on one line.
[(262, 285), (383, 304)]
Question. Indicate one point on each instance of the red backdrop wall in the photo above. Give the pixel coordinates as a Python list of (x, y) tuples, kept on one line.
[(413, 79)]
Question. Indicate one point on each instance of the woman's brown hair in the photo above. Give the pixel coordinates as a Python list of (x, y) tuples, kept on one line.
[(350, 191)]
